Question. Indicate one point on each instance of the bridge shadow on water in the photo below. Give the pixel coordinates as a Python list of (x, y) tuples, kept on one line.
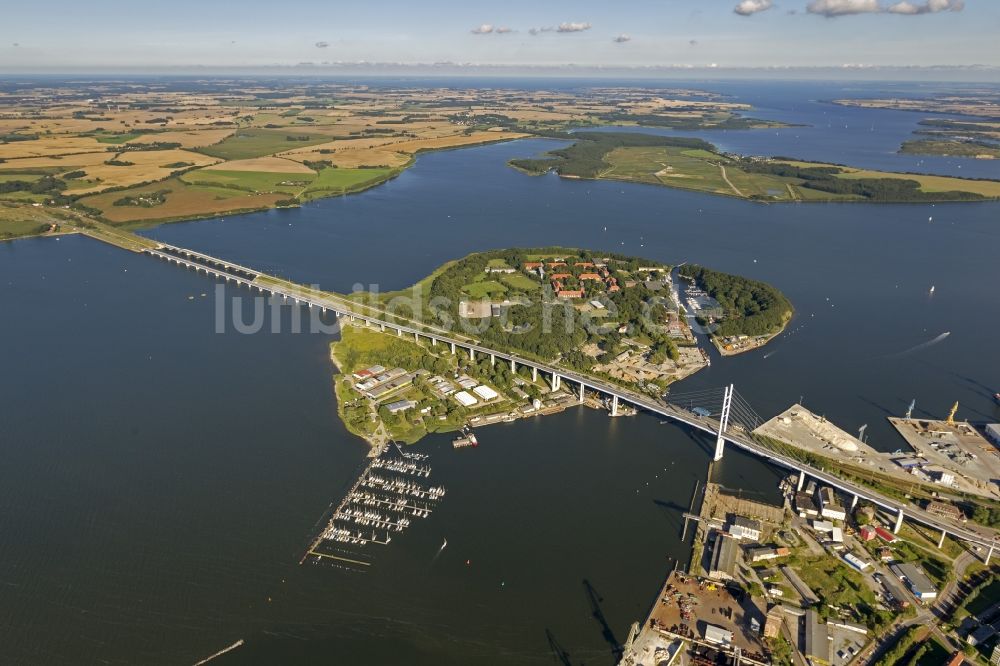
[(595, 600)]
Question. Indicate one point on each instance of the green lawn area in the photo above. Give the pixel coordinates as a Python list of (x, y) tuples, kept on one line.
[(251, 181), (247, 143), (116, 138), (12, 228), (26, 177), (698, 153), (331, 182), (485, 289), (667, 165), (25, 196), (520, 282)]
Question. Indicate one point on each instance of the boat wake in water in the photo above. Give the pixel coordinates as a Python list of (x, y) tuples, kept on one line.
[(920, 347)]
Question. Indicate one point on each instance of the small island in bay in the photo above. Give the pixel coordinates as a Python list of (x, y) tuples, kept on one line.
[(613, 317), (695, 164)]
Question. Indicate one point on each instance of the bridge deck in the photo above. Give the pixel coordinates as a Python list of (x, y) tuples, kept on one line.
[(708, 425)]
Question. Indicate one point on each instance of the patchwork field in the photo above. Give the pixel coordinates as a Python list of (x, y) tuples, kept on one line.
[(163, 152)]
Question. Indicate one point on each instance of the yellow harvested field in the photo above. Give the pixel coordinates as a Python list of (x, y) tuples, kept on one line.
[(149, 165), (416, 145), (987, 188), (64, 162), (353, 158), (268, 164), (187, 138), (50, 145), (391, 152)]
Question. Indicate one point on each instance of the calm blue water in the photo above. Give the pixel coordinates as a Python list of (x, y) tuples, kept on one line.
[(158, 481)]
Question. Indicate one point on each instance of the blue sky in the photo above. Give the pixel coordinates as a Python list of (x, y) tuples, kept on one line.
[(64, 34)]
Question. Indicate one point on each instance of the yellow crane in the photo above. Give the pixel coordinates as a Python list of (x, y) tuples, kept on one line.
[(951, 415)]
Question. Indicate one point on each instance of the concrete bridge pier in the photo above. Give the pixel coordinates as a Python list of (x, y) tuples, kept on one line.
[(434, 342), (989, 554), (941, 541), (513, 367), (534, 374), (493, 360), (614, 405), (472, 354), (399, 332), (382, 327), (555, 382), (802, 480), (453, 349), (854, 501), (416, 337), (581, 392), (899, 522)]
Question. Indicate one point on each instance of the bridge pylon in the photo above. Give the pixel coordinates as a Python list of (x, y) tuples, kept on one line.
[(720, 442)]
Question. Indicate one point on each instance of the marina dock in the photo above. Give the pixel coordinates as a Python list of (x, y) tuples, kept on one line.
[(386, 498)]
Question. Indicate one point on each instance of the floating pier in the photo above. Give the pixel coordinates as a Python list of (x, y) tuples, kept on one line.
[(387, 497)]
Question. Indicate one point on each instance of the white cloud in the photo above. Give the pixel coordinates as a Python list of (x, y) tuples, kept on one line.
[(751, 7), (573, 26), (319, 45), (928, 7), (622, 38), (503, 30), (484, 29), (569, 26), (831, 8)]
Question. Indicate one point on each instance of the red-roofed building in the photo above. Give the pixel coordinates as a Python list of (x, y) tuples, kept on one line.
[(560, 276), (885, 534), (957, 659), (570, 293), (532, 265), (867, 533), (590, 276), (584, 264), (556, 264)]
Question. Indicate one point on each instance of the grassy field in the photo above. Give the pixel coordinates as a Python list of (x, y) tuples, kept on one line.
[(520, 282), (15, 226), (485, 289), (331, 182), (259, 142), (701, 170), (672, 166), (251, 181)]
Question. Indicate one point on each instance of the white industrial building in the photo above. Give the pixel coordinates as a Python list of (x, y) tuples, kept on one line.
[(486, 393)]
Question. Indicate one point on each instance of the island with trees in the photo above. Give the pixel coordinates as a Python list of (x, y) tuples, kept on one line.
[(695, 164), (610, 316)]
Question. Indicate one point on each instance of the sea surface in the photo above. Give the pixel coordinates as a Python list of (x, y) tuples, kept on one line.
[(159, 480)]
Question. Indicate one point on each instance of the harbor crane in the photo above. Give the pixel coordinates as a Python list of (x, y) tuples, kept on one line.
[(951, 415)]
